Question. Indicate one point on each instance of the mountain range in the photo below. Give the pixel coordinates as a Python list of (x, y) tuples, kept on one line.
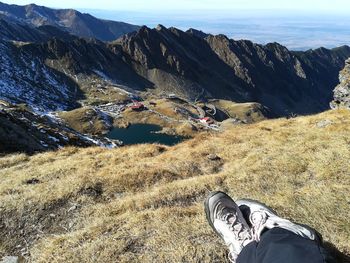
[(83, 25), (52, 59), (200, 65)]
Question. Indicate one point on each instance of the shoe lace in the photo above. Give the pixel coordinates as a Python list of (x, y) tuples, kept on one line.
[(258, 220), (237, 228)]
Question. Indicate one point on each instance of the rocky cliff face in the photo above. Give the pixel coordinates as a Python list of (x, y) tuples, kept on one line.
[(342, 91), (281, 79), (179, 62), (194, 64)]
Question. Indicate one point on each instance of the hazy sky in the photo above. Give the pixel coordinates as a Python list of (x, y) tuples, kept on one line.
[(323, 5)]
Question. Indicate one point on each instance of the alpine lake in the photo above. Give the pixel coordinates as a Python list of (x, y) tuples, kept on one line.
[(143, 133)]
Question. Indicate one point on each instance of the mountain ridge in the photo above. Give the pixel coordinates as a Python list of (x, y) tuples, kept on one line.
[(162, 60), (73, 21), (12, 31), (271, 74)]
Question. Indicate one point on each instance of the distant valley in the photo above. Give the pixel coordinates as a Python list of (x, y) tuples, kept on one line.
[(186, 81), (297, 30)]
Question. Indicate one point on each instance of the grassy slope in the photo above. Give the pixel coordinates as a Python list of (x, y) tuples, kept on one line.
[(144, 203), (250, 111), (164, 107), (85, 120)]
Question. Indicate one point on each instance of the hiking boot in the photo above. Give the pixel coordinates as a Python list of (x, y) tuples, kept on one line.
[(228, 222), (262, 217)]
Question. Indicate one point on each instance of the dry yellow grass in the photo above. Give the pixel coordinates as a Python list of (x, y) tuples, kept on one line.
[(85, 120), (144, 203), (250, 111), (95, 95)]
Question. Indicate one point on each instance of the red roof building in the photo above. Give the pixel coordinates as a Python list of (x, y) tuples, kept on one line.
[(137, 106)]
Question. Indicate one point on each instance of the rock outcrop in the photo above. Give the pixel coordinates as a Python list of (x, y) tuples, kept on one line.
[(22, 130), (342, 91)]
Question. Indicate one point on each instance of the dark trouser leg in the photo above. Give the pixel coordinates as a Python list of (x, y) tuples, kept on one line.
[(281, 246)]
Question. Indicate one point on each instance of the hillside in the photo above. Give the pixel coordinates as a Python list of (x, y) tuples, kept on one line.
[(82, 25), (12, 31), (23, 130), (56, 74), (144, 203), (25, 78)]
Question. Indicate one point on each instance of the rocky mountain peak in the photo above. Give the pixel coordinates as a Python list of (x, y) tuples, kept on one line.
[(197, 33), (160, 27), (31, 7)]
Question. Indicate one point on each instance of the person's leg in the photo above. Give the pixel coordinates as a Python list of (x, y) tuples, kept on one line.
[(280, 245), (254, 233), (278, 239), (260, 217), (248, 253)]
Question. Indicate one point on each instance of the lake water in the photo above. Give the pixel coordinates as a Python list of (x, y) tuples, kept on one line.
[(143, 133)]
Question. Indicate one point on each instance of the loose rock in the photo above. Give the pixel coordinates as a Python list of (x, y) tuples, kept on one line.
[(324, 123), (213, 157), (10, 259)]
